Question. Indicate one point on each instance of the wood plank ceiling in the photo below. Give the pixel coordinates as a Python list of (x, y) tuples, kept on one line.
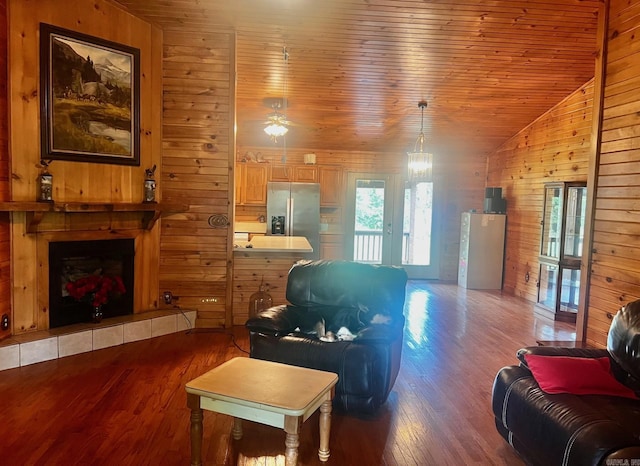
[(357, 68)]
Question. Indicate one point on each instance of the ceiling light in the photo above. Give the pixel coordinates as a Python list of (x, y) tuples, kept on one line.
[(277, 122), (275, 131), (420, 163)]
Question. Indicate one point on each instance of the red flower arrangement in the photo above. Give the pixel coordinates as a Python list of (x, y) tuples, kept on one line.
[(96, 289)]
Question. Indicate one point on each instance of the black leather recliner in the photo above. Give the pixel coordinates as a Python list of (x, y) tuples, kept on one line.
[(367, 366), (567, 429)]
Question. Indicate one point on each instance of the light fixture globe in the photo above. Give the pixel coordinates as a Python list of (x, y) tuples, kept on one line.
[(420, 162), (275, 131)]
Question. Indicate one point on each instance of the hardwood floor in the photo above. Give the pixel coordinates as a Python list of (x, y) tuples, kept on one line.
[(126, 405)]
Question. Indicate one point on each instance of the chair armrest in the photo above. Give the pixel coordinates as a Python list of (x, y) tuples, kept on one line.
[(380, 333), (276, 321)]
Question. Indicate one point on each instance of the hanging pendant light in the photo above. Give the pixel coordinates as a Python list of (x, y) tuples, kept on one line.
[(276, 121), (420, 163)]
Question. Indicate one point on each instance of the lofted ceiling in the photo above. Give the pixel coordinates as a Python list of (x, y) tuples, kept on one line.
[(358, 68)]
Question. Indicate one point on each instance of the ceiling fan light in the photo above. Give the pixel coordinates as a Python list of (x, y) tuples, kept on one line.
[(275, 131)]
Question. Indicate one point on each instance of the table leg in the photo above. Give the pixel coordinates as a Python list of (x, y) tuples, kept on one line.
[(325, 428), (193, 402), (292, 442), (236, 432)]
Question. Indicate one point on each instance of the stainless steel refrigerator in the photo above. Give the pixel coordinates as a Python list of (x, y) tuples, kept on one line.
[(481, 251), (293, 209)]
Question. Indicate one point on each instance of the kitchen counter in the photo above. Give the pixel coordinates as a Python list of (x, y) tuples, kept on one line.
[(250, 227), (274, 243)]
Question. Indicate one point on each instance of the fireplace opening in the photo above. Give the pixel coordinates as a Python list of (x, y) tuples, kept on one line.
[(73, 260)]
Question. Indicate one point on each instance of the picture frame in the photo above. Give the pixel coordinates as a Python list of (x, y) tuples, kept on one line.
[(89, 98)]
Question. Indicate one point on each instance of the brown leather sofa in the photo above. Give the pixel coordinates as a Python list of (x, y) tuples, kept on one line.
[(367, 366), (574, 429)]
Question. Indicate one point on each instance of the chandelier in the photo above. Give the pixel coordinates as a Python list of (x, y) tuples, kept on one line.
[(420, 163), (277, 122)]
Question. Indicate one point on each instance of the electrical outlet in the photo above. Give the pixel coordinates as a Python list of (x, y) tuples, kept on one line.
[(4, 322), (168, 297)]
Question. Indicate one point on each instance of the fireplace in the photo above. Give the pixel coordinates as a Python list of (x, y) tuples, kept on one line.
[(72, 260)]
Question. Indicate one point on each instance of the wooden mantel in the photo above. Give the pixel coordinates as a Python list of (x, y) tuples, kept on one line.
[(35, 210)]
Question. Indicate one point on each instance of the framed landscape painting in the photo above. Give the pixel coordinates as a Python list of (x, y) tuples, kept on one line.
[(89, 99)]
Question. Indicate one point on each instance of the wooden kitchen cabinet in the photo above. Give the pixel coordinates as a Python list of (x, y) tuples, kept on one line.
[(251, 184), (297, 173), (331, 186), (280, 172), (331, 247), (305, 173)]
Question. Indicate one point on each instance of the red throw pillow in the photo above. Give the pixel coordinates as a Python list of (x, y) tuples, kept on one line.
[(580, 376)]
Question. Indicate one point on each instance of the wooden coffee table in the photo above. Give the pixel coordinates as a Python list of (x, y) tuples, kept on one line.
[(266, 392)]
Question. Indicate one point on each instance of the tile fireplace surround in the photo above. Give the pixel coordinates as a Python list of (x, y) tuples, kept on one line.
[(30, 348)]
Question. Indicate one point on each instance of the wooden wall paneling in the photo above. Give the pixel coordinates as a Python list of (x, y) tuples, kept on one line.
[(5, 227), (626, 282), (23, 276), (555, 147), (600, 315), (197, 143), (74, 181), (614, 279), (147, 260), (42, 282), (231, 157)]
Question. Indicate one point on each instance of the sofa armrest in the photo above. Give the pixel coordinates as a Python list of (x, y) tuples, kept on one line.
[(276, 321), (559, 351), (618, 372)]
